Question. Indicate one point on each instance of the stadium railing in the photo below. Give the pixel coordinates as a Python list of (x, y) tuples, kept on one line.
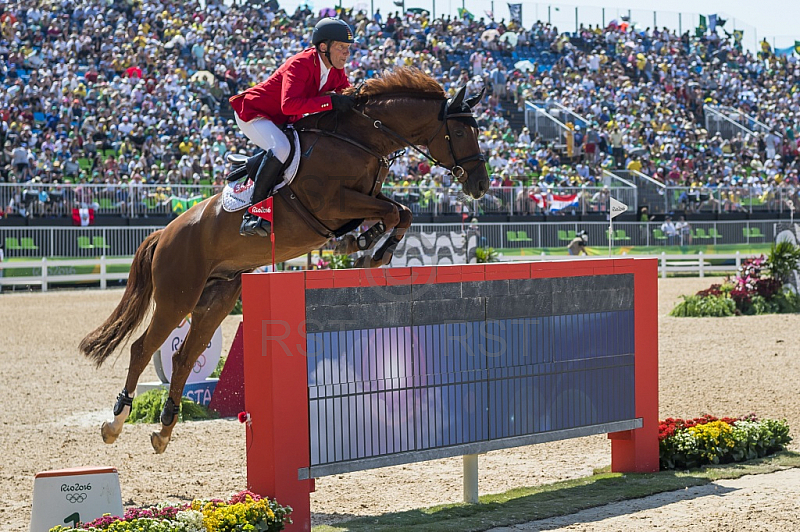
[(42, 200)]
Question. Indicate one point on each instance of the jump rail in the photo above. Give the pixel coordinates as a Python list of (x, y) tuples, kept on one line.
[(354, 369)]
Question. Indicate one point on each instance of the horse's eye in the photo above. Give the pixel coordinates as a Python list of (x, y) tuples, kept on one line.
[(459, 133)]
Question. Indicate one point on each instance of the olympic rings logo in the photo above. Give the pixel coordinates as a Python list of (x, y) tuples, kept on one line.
[(198, 365), (76, 497)]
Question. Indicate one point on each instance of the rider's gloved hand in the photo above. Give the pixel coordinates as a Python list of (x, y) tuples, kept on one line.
[(342, 103)]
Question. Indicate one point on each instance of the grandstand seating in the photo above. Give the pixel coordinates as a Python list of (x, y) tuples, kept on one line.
[(84, 242), (28, 244)]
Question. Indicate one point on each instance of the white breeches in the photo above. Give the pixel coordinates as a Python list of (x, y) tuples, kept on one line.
[(266, 136)]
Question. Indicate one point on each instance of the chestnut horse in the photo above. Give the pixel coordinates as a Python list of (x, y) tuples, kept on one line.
[(194, 265)]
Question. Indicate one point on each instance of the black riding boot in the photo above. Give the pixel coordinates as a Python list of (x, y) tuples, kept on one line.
[(269, 174)]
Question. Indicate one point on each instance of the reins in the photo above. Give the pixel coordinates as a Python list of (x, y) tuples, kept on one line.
[(457, 170)]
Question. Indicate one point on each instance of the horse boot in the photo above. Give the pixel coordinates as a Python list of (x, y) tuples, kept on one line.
[(269, 174)]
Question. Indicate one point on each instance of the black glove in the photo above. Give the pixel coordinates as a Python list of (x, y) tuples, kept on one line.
[(342, 103)]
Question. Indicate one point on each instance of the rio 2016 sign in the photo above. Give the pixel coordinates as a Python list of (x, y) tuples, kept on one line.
[(204, 366)]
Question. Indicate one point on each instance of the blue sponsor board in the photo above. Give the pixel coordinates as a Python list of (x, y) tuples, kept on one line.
[(430, 367)]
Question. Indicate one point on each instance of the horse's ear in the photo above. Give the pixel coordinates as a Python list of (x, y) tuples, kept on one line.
[(472, 102), (458, 99)]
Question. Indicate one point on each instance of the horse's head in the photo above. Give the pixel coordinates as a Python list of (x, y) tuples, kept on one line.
[(456, 144)]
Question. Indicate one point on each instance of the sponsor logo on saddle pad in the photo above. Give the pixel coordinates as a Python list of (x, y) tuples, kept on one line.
[(261, 210), (241, 186)]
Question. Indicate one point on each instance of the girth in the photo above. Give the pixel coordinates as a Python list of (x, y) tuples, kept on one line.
[(294, 203)]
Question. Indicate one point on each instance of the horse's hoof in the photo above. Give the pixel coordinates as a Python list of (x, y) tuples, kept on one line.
[(107, 434), (345, 246), (159, 443)]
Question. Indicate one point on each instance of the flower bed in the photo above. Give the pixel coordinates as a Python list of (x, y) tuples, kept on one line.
[(760, 287), (684, 444), (245, 511)]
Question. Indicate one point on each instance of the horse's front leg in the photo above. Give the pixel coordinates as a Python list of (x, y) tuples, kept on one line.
[(357, 205), (383, 255), (364, 242)]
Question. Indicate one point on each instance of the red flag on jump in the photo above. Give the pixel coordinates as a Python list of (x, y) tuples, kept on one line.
[(263, 209)]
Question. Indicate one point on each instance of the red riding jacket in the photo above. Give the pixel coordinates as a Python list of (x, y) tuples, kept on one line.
[(291, 91)]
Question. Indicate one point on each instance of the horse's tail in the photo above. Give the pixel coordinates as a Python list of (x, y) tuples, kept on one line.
[(130, 311)]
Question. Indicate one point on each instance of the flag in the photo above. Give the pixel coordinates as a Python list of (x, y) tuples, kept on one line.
[(539, 200), (560, 202), (489, 14), (263, 209), (797, 47), (701, 27), (737, 35), (712, 23), (616, 207), (465, 14), (181, 205), (515, 10), (399, 3), (82, 216), (782, 52)]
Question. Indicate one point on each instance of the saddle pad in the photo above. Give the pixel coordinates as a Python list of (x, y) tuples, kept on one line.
[(237, 194)]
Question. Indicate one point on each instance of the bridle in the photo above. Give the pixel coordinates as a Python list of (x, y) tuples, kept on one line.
[(457, 169)]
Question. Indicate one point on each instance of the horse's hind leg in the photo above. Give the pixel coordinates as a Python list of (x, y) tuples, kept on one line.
[(216, 302), (165, 319)]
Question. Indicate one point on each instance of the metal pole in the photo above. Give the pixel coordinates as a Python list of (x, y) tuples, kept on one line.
[(372, 8), (548, 14), (576, 19), (655, 21), (471, 478), (680, 25), (604, 17)]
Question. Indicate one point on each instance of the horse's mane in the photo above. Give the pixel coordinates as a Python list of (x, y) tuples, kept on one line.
[(403, 80)]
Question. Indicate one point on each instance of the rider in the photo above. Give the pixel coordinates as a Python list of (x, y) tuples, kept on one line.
[(309, 82)]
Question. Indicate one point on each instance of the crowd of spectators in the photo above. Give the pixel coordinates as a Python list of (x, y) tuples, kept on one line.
[(135, 92), (643, 98)]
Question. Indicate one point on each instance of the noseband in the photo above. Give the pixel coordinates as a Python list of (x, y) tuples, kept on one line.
[(457, 169)]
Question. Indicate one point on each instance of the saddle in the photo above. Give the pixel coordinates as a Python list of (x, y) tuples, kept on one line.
[(239, 188)]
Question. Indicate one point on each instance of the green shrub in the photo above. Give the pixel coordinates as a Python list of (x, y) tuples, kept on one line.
[(341, 262), (486, 254), (218, 370), (783, 259), (237, 308), (147, 408), (698, 306)]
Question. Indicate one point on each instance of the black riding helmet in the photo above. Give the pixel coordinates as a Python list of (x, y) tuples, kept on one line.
[(331, 29)]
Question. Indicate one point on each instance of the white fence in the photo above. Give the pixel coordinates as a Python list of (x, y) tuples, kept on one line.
[(64, 271), (699, 264)]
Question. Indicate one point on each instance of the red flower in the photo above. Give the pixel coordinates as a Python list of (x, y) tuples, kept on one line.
[(244, 417)]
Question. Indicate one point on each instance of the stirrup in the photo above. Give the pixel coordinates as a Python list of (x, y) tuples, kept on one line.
[(253, 225)]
